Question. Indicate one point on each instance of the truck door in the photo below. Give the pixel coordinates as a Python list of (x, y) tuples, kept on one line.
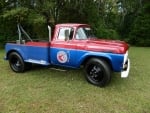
[(63, 50)]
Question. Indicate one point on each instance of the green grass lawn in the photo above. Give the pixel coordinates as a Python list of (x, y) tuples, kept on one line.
[(43, 90)]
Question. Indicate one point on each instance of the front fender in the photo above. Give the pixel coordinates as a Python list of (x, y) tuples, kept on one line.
[(115, 60), (88, 55)]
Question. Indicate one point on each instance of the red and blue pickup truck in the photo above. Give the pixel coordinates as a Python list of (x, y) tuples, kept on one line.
[(73, 46)]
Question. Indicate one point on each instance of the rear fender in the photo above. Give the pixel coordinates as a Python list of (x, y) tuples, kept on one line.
[(19, 51)]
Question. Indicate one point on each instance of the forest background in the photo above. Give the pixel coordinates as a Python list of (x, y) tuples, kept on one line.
[(127, 20)]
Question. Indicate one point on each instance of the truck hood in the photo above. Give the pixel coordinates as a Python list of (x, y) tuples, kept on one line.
[(102, 45)]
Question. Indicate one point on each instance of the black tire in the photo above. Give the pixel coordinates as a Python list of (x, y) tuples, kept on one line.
[(16, 62), (98, 72)]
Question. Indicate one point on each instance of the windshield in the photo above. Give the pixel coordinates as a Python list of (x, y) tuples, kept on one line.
[(84, 33)]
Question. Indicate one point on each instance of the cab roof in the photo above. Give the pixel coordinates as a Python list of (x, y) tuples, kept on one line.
[(71, 25)]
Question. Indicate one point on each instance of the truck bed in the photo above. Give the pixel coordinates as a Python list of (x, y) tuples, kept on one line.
[(33, 52)]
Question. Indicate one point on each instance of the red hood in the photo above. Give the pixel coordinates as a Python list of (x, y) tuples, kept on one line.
[(114, 46)]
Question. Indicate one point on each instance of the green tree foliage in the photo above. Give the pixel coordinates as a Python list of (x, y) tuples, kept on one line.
[(9, 20), (140, 34), (111, 19), (22, 12), (128, 11)]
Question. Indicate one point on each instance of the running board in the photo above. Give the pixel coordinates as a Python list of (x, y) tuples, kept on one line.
[(42, 62), (57, 69)]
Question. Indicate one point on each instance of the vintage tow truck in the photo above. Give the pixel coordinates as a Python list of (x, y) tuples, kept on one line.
[(73, 46)]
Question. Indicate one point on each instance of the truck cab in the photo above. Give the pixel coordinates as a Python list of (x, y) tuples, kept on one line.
[(72, 45)]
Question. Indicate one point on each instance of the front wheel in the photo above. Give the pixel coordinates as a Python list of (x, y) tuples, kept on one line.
[(98, 72), (16, 62)]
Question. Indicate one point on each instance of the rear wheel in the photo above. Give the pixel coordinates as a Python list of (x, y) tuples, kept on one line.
[(16, 62), (98, 72)]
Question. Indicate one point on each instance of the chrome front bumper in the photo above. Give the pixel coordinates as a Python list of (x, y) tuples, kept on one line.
[(126, 69), (126, 66)]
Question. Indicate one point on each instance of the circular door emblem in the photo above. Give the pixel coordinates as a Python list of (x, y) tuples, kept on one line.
[(62, 57)]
